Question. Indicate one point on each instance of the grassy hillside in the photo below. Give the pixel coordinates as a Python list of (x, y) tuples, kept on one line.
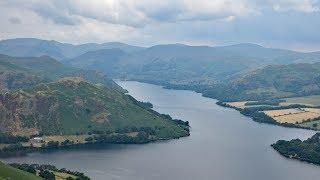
[(73, 106), (276, 81), (8, 172), (25, 72), (104, 60)]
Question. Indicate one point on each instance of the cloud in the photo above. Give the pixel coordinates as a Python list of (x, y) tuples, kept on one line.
[(14, 20), (131, 12), (278, 23), (305, 6), (142, 12)]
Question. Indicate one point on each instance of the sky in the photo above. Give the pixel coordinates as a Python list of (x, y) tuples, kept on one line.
[(288, 24)]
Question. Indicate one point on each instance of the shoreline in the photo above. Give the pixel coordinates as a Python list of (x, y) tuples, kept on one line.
[(87, 145), (223, 104)]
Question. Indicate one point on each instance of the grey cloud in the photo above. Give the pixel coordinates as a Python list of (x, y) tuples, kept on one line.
[(152, 22), (57, 17), (14, 20)]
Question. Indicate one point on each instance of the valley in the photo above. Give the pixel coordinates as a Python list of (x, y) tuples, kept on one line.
[(159, 90), (221, 139), (71, 103)]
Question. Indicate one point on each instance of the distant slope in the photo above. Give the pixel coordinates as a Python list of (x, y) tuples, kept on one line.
[(168, 64), (274, 81), (178, 64), (31, 47), (104, 60), (18, 73), (8, 172), (73, 106)]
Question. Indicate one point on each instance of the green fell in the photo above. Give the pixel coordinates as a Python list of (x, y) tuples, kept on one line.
[(8, 172), (74, 106), (271, 82)]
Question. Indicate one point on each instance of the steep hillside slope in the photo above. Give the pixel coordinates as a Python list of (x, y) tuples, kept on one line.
[(104, 60), (274, 81), (74, 106), (18, 73)]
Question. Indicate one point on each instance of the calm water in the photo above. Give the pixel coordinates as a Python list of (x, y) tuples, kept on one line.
[(223, 145)]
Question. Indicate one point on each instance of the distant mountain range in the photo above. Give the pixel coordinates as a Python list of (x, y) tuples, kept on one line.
[(24, 47), (203, 68), (177, 64)]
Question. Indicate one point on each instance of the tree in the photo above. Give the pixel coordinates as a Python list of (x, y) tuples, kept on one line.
[(47, 175)]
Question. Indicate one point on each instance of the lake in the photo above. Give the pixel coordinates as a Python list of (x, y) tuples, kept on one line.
[(223, 145)]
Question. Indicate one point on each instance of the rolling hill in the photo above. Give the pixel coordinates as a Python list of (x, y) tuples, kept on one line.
[(39, 95), (168, 64), (223, 72), (182, 65), (31, 47), (103, 60), (72, 106), (22, 72), (274, 81)]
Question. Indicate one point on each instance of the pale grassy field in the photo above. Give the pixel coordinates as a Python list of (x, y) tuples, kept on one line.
[(293, 115), (307, 100), (63, 176), (239, 104), (78, 139), (283, 112), (74, 138)]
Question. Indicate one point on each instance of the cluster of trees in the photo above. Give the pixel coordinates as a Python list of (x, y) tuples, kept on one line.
[(8, 139), (308, 150), (273, 102), (142, 137), (13, 150), (128, 129), (46, 171)]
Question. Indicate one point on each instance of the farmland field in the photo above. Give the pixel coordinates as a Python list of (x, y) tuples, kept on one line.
[(307, 100), (239, 104), (63, 176), (297, 115)]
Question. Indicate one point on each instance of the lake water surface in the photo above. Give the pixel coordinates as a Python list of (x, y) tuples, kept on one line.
[(223, 145)]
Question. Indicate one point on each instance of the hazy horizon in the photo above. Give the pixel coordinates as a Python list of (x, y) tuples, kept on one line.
[(286, 24), (177, 43)]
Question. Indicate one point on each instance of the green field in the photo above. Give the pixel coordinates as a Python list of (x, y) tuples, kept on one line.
[(306, 100), (8, 172)]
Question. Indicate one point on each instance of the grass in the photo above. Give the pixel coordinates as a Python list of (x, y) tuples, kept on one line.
[(296, 115), (72, 106), (7, 172), (237, 104), (63, 176), (306, 100)]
